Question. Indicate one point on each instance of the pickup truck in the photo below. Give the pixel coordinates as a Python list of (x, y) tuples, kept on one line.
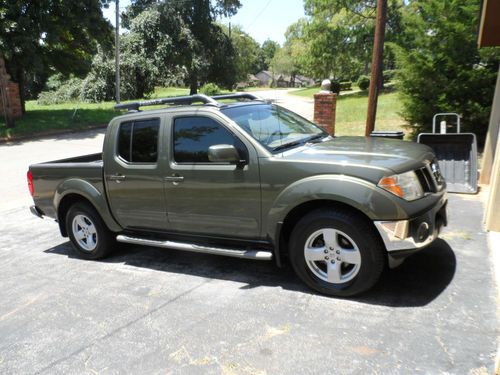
[(237, 176)]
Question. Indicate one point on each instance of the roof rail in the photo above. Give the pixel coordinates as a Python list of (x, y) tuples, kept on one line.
[(238, 95), (188, 99)]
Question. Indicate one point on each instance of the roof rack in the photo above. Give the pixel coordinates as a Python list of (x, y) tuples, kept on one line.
[(238, 95), (186, 100), (189, 99)]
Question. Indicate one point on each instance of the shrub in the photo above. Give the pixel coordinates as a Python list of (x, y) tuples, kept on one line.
[(388, 75), (363, 82), (335, 87), (65, 91), (210, 89), (345, 86)]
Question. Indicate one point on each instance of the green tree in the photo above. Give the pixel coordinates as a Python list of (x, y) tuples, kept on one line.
[(203, 49), (246, 53), (338, 36), (266, 54), (444, 71), (40, 37)]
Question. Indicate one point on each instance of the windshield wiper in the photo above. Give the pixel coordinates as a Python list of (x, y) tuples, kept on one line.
[(315, 138), (299, 142), (287, 145)]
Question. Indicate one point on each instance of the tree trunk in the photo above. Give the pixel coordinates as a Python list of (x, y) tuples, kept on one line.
[(20, 80), (193, 88)]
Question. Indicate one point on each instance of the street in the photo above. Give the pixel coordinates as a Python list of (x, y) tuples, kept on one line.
[(148, 310)]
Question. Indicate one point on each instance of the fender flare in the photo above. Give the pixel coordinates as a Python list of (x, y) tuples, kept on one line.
[(362, 195), (89, 192)]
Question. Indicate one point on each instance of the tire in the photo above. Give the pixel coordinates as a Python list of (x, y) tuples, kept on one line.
[(336, 252), (90, 237)]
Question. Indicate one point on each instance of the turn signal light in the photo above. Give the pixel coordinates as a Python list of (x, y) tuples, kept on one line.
[(390, 184)]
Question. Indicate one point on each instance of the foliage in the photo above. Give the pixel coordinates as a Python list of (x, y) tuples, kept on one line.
[(335, 87), (337, 37), (444, 71), (210, 89), (246, 53), (266, 54), (61, 91), (345, 86), (184, 37), (389, 75), (363, 82), (40, 37)]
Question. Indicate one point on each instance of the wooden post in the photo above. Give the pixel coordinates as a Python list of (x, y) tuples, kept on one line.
[(377, 61)]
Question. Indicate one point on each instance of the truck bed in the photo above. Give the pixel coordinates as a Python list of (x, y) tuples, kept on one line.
[(49, 176)]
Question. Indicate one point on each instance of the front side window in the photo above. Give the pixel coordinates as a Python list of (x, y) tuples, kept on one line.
[(138, 141), (194, 135)]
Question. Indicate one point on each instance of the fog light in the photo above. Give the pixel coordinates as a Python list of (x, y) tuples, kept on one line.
[(423, 232)]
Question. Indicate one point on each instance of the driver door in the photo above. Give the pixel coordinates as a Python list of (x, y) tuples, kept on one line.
[(204, 197)]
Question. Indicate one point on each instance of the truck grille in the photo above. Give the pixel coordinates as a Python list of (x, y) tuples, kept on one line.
[(430, 178)]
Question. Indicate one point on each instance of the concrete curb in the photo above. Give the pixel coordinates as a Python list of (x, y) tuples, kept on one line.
[(49, 133)]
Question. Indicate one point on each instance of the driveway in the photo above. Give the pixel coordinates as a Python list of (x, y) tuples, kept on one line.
[(147, 310)]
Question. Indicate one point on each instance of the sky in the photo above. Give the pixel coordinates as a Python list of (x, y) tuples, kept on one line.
[(261, 19)]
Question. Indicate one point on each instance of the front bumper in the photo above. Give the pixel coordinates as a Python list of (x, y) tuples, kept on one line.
[(401, 238)]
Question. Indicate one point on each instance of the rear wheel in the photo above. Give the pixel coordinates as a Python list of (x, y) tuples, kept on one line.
[(89, 236), (336, 252)]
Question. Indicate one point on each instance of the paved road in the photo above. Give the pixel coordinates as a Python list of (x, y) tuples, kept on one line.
[(148, 310)]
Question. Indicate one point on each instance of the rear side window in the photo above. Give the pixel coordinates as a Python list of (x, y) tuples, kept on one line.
[(194, 135), (138, 141)]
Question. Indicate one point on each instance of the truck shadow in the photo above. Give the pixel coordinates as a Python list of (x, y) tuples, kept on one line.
[(417, 282)]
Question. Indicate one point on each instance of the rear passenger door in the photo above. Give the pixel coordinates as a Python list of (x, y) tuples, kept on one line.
[(133, 176)]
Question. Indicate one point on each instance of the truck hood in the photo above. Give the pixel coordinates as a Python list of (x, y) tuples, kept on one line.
[(394, 155)]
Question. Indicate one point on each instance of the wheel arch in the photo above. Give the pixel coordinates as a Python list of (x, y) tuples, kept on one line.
[(75, 190), (284, 229)]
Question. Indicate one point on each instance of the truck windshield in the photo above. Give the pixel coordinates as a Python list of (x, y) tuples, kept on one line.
[(274, 127)]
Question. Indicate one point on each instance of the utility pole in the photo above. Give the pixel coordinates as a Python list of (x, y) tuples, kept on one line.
[(117, 50), (377, 61)]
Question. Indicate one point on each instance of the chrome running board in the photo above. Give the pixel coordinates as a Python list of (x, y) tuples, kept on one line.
[(235, 253)]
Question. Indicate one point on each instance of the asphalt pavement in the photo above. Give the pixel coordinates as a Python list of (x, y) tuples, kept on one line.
[(147, 310)]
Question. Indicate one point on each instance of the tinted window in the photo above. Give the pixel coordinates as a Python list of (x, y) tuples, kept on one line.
[(138, 141), (194, 135), (124, 140)]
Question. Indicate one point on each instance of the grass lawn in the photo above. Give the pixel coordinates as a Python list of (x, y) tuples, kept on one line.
[(43, 118), (351, 112)]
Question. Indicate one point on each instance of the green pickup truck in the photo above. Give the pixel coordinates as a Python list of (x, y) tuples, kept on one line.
[(238, 176)]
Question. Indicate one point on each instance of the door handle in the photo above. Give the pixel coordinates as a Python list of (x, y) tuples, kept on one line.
[(117, 177), (175, 179)]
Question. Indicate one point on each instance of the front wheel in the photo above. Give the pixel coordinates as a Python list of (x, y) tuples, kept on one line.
[(89, 236), (336, 252)]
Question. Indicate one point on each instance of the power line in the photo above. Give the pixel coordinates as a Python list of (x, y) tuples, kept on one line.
[(258, 15)]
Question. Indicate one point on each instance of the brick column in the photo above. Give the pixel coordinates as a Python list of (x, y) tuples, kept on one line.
[(14, 100), (325, 104), (10, 100)]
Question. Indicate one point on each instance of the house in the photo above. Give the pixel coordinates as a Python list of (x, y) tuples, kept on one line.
[(265, 78)]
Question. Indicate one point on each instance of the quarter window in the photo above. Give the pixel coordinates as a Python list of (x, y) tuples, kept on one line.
[(194, 135), (138, 141)]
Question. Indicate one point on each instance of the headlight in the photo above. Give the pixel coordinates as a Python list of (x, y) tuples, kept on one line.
[(404, 185)]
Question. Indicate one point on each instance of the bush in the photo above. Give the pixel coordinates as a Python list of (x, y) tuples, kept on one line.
[(335, 87), (210, 89), (363, 82), (63, 91), (388, 75), (345, 86)]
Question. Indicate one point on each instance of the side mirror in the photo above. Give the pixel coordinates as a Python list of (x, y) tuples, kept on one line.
[(223, 154)]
